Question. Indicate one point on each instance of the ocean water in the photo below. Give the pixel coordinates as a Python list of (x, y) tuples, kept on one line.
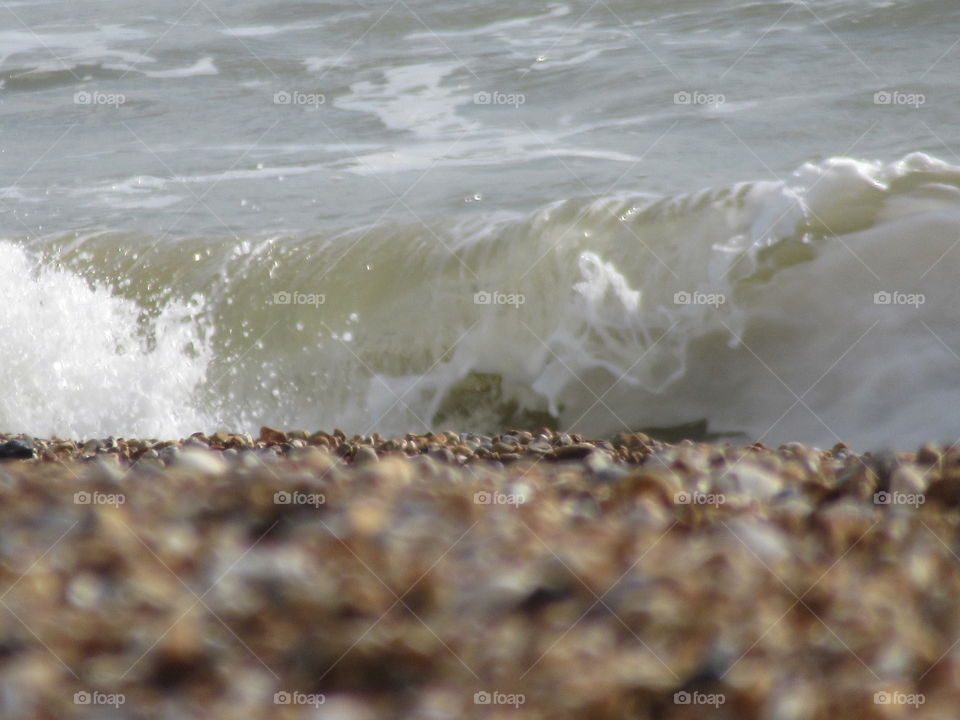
[(394, 216)]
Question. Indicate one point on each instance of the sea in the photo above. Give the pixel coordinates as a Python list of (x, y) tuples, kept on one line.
[(739, 218)]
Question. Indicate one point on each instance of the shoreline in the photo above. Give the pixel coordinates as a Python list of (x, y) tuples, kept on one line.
[(453, 447), (621, 578)]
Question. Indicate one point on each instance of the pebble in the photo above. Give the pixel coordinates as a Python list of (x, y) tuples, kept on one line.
[(945, 491), (220, 438), (497, 557), (201, 462), (365, 454), (107, 468), (571, 452), (169, 453), (908, 480), (443, 454), (271, 435), (540, 445), (929, 454), (16, 450)]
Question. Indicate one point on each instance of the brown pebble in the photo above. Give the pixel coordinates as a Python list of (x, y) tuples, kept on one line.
[(220, 439), (272, 436), (945, 491), (322, 439), (928, 454), (570, 452)]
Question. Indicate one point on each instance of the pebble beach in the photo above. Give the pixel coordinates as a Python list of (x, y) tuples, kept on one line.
[(716, 242), (447, 575)]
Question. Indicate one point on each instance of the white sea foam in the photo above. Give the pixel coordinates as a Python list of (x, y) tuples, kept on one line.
[(753, 306), (80, 362), (584, 199), (203, 66)]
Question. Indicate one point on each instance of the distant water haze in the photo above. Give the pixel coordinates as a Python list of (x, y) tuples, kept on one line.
[(391, 217)]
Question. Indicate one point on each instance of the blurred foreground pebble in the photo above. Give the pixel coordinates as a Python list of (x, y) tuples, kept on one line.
[(447, 575)]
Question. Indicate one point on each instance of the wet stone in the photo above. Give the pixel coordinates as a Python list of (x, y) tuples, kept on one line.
[(16, 450)]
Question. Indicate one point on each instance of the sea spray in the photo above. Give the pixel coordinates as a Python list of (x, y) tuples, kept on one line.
[(80, 361), (752, 306)]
